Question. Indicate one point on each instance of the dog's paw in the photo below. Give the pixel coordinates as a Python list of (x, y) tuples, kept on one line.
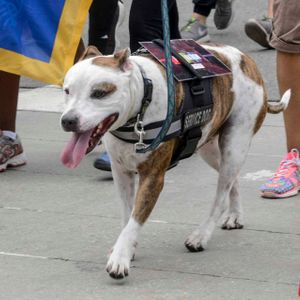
[(118, 266), (233, 221), (197, 241)]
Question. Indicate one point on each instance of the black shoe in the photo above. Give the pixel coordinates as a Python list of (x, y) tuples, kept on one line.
[(103, 162)]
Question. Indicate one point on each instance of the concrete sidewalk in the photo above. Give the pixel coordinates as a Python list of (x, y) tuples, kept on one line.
[(57, 225)]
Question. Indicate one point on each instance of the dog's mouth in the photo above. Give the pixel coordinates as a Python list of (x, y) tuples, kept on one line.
[(82, 143)]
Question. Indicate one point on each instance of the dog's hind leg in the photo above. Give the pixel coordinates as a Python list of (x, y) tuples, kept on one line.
[(151, 180), (233, 218), (234, 143)]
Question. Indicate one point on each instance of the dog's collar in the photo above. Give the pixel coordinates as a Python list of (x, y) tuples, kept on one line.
[(147, 98), (136, 123)]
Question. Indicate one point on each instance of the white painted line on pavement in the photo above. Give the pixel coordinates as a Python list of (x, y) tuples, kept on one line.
[(259, 175), (158, 221), (22, 255)]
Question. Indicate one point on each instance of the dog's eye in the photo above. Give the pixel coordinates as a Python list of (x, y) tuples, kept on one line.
[(98, 94), (67, 91)]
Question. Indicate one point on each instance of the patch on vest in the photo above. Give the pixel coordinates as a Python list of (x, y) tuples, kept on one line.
[(196, 118)]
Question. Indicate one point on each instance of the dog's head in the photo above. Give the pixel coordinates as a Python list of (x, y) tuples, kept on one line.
[(97, 98)]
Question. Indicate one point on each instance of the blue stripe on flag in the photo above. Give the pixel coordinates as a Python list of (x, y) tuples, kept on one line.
[(29, 27)]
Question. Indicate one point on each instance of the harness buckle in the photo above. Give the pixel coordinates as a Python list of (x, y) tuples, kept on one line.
[(139, 130)]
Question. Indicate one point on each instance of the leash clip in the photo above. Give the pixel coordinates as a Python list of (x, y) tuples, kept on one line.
[(139, 130)]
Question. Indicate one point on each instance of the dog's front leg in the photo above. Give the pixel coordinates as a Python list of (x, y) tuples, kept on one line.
[(124, 181), (151, 180)]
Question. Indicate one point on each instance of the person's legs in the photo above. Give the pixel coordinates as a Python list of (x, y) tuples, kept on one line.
[(102, 16), (11, 150), (174, 20), (9, 87), (286, 180), (288, 74), (270, 8), (145, 21), (285, 39)]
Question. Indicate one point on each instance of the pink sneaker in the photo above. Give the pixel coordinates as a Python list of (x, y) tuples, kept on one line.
[(286, 181)]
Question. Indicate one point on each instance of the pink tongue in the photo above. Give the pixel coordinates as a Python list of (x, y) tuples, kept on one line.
[(75, 149)]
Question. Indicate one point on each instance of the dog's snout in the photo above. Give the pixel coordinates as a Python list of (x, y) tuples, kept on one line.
[(69, 123)]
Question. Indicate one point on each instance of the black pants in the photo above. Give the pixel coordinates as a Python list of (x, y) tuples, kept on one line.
[(101, 21), (204, 7), (145, 21)]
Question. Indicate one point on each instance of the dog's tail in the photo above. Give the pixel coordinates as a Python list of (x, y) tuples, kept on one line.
[(281, 105)]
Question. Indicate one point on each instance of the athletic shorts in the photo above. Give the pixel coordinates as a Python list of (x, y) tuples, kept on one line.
[(286, 26)]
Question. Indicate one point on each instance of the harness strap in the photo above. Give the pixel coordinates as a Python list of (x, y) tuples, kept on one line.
[(127, 133)]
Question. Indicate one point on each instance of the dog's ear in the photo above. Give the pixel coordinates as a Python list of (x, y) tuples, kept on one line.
[(90, 51), (122, 59)]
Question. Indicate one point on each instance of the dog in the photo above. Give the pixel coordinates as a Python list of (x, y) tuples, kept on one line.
[(103, 92)]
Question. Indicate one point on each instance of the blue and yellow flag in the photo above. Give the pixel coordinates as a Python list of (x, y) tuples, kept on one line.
[(39, 38)]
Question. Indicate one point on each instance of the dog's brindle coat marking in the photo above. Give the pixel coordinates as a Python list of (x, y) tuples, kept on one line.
[(151, 182), (106, 86), (239, 108)]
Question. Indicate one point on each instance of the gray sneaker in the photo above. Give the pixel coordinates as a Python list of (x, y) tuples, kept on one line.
[(259, 31), (223, 14), (195, 30)]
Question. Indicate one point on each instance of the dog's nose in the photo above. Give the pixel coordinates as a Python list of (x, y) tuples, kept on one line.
[(69, 123)]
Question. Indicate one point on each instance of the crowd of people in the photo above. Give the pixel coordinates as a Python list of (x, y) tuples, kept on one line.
[(279, 29)]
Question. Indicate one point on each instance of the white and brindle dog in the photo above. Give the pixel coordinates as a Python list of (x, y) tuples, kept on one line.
[(104, 92)]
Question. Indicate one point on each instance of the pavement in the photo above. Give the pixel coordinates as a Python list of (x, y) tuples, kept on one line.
[(57, 225)]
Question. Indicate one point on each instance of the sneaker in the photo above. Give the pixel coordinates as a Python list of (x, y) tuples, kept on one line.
[(112, 42), (286, 181), (259, 31), (11, 152), (195, 30), (223, 14), (103, 162)]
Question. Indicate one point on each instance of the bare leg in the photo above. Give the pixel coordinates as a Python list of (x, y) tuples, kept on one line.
[(288, 74), (270, 8), (202, 19), (9, 87)]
